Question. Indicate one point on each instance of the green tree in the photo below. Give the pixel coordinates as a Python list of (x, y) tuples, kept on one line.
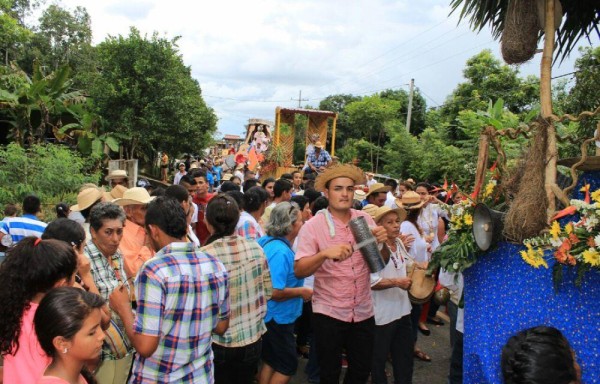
[(419, 107), (146, 92), (338, 103), (13, 32), (34, 106), (369, 118), (585, 95), (488, 79)]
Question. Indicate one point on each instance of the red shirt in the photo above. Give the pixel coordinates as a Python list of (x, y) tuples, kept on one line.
[(342, 289), (201, 229)]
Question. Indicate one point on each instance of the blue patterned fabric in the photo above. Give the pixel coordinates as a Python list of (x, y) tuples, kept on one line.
[(504, 295)]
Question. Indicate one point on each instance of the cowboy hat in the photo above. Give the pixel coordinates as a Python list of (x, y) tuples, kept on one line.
[(115, 193), (87, 197), (116, 174), (380, 212), (378, 187), (410, 200), (370, 209), (134, 196), (318, 144), (339, 170), (359, 194)]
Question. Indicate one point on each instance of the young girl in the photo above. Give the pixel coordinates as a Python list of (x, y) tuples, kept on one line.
[(68, 325), (30, 270)]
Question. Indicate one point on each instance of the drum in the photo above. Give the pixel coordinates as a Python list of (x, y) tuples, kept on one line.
[(422, 286)]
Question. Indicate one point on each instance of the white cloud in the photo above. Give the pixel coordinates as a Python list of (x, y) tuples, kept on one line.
[(263, 52)]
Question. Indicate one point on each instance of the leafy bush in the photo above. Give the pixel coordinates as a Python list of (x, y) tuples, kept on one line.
[(52, 172)]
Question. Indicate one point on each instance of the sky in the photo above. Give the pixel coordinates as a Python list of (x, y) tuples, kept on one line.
[(252, 56)]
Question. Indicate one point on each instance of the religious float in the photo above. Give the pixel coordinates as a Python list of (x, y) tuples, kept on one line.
[(537, 260)]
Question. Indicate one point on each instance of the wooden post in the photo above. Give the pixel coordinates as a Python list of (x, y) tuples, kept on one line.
[(482, 159), (546, 107), (333, 127)]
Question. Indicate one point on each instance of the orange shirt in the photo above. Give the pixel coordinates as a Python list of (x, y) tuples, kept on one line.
[(134, 249)]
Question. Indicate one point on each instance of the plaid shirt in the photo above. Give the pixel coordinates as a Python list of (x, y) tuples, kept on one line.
[(249, 288), (248, 227), (182, 294), (319, 161), (107, 277)]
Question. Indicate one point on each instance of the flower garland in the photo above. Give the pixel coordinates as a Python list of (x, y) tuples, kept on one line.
[(576, 244)]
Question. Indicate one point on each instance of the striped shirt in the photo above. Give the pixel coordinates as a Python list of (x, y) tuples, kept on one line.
[(20, 227), (182, 294), (248, 227), (107, 276), (249, 289)]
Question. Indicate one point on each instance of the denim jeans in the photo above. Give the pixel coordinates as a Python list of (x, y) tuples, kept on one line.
[(236, 365), (331, 336), (395, 338)]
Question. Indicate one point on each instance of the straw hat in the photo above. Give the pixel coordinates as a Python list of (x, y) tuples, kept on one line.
[(318, 144), (116, 174), (378, 187), (410, 200), (115, 193), (86, 198), (359, 194), (370, 209), (339, 170), (134, 196), (384, 210), (226, 177)]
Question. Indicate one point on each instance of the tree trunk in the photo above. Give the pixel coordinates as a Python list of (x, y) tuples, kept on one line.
[(546, 106)]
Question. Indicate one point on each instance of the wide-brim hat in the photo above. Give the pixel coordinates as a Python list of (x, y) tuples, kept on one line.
[(410, 200), (378, 187), (339, 170), (116, 174), (115, 193), (370, 209), (318, 144), (135, 196), (359, 194), (380, 212), (87, 197)]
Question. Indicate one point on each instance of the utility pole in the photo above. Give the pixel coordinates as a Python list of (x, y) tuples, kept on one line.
[(410, 101), (300, 99)]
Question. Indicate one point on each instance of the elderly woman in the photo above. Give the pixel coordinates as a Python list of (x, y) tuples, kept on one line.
[(237, 351), (393, 326), (279, 347), (106, 229)]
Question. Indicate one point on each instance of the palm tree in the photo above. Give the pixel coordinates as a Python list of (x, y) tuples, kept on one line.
[(581, 18)]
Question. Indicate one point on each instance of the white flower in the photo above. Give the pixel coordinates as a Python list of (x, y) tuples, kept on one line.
[(591, 222), (597, 240), (455, 265), (556, 243)]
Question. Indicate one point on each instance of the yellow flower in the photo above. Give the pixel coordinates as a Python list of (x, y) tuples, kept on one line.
[(555, 230), (569, 228), (592, 257), (596, 195), (468, 219), (534, 257), (489, 188)]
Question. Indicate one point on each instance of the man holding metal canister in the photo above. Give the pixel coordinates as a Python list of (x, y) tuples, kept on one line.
[(342, 304)]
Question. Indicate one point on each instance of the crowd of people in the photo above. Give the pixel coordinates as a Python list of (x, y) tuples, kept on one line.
[(211, 280)]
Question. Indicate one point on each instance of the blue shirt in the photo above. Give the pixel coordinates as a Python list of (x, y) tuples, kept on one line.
[(217, 170), (319, 160), (281, 265), (20, 227)]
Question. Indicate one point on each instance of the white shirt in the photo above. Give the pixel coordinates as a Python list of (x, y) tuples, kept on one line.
[(195, 214), (178, 177), (428, 221), (191, 234), (418, 250), (392, 303), (455, 286), (390, 200), (371, 182)]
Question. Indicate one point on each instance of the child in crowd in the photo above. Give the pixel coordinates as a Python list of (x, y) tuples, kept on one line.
[(30, 270), (68, 325)]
